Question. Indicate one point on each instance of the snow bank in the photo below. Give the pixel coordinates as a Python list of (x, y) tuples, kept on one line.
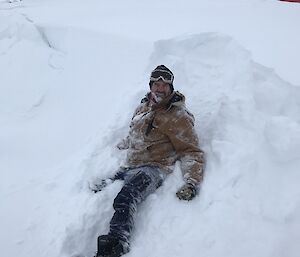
[(52, 106), (20, 41), (67, 95), (244, 199), (244, 194), (283, 136)]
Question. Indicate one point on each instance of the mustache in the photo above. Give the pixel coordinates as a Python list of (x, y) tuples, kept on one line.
[(160, 93)]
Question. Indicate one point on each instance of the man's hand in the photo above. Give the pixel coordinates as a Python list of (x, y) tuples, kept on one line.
[(100, 185), (187, 192)]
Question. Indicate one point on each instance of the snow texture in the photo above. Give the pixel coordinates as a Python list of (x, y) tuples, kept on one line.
[(70, 81)]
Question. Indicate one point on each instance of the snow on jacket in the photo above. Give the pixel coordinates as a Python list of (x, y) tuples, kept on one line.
[(162, 133)]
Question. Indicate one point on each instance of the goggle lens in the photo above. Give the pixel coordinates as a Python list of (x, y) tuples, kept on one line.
[(165, 76)]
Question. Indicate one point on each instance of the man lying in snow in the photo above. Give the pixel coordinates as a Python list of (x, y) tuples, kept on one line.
[(161, 132)]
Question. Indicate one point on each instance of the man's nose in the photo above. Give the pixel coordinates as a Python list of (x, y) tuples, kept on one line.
[(161, 87)]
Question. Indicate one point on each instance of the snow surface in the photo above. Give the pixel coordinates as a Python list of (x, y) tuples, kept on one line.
[(72, 73)]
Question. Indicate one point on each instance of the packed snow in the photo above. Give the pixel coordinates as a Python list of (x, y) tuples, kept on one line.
[(72, 73)]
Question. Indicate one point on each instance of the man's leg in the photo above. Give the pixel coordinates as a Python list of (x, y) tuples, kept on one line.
[(137, 187), (126, 202)]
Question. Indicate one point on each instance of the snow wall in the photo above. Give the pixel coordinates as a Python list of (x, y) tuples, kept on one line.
[(55, 126)]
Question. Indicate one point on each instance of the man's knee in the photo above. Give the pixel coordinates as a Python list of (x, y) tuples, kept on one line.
[(123, 199), (140, 181), (132, 191)]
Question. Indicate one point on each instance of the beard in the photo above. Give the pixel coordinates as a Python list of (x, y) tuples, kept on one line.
[(159, 96)]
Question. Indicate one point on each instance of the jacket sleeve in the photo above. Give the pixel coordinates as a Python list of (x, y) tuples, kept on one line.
[(181, 132)]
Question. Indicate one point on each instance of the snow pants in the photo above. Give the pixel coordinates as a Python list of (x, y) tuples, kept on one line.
[(138, 184)]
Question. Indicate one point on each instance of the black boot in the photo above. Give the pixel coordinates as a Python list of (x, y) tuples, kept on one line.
[(110, 246)]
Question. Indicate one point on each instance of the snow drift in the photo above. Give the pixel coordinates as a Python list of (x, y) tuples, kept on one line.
[(66, 109), (241, 110)]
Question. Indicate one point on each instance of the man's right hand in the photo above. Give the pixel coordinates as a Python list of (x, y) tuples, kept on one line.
[(99, 186)]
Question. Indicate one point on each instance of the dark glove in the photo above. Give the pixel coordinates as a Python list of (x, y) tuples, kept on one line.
[(187, 192)]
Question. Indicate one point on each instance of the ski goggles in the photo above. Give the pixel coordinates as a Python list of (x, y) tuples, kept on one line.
[(164, 75)]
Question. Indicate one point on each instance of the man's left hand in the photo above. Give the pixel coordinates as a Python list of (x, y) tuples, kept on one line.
[(187, 192)]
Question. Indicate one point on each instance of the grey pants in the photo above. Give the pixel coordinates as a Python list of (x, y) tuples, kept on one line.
[(139, 183)]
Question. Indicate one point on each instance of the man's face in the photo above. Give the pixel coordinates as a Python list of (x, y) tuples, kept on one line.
[(161, 90)]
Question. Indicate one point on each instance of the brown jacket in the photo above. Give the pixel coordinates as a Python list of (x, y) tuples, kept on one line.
[(160, 134)]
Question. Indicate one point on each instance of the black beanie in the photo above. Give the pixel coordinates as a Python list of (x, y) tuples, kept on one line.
[(162, 68)]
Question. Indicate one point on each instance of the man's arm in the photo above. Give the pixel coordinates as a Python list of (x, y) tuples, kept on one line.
[(183, 137)]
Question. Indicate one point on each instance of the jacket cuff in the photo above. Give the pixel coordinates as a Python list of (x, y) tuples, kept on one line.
[(192, 181)]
